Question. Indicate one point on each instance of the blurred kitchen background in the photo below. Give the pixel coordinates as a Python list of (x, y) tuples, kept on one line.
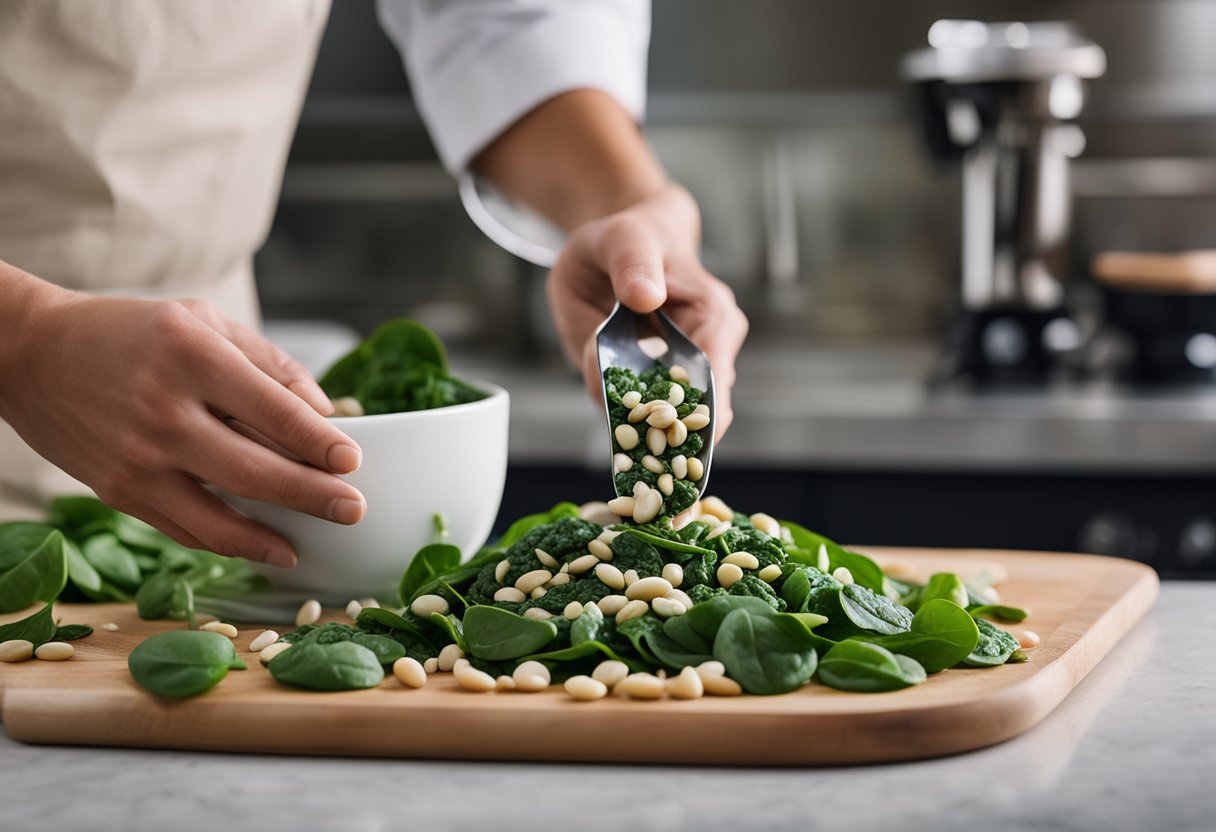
[(840, 232)]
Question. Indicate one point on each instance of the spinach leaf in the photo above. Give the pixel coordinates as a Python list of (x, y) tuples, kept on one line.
[(582, 650), (666, 543), (942, 634), (1000, 612), (696, 630), (82, 574), (874, 612), (79, 517), (39, 576), (421, 638), (72, 632), (767, 653), (867, 668), (342, 665), (946, 586), (135, 532), (112, 560), (37, 628), (995, 646), (495, 634), (588, 626), (385, 649), (806, 548), (164, 594), (451, 625), (181, 662), (648, 636), (430, 563), (18, 539)]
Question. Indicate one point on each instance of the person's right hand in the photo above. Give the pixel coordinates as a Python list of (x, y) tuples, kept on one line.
[(134, 399)]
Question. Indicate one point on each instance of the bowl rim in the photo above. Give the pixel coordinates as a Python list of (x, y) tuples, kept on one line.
[(495, 391)]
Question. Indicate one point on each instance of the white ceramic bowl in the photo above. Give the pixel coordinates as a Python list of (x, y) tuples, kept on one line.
[(451, 460)]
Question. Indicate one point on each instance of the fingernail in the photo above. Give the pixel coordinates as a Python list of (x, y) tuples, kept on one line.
[(314, 395), (282, 559), (347, 511), (343, 458)]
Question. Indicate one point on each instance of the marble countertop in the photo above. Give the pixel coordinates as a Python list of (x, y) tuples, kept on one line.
[(1132, 748)]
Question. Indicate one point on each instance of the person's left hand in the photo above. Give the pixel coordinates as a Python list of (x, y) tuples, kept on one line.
[(646, 257)]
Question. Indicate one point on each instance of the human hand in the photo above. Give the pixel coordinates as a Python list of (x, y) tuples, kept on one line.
[(646, 256), (135, 399)]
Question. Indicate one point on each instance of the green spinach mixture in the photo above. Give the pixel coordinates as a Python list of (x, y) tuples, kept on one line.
[(402, 366), (658, 422)]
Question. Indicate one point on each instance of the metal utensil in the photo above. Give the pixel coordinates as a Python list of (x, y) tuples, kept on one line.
[(634, 341)]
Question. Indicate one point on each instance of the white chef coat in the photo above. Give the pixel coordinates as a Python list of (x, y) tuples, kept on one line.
[(142, 142)]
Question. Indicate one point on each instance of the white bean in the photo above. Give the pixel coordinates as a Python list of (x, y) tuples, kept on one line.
[(640, 411), (621, 462), (677, 433), (584, 564), (696, 469), (640, 488), (743, 560), (843, 574), (766, 523), (538, 593), (667, 607), (647, 589), (770, 573), (607, 536), (656, 440), (675, 395), (677, 373), (593, 611), (560, 579), (310, 612), (716, 507), (652, 464), (719, 530), (532, 676), (721, 686), (640, 686), (679, 466), (263, 640), (1028, 639), (681, 596), (369, 603), (626, 436), (531, 580), (273, 650), (224, 629), (686, 685), (448, 657), (55, 651), (661, 416), (572, 611), (347, 406), (424, 605), (631, 577), (110, 626), (500, 571), (647, 507), (695, 421), (431, 665), (504, 682), (631, 399), (610, 576), (711, 668), (667, 484), (600, 549), (673, 573), (353, 608), (585, 689), (622, 506), (632, 609), (510, 594), (822, 562), (546, 558), (728, 575), (537, 614), (610, 672), (16, 650), (409, 672), (611, 604), (470, 678)]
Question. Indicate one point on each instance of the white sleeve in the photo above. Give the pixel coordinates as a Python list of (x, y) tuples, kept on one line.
[(476, 66)]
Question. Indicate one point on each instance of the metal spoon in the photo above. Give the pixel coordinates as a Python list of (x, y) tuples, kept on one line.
[(633, 341)]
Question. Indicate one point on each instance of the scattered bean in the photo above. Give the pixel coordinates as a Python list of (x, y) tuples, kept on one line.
[(667, 484), (409, 672), (681, 596), (652, 464), (537, 614), (273, 650), (572, 611), (710, 668), (647, 507), (500, 571), (610, 576), (662, 415), (647, 589), (470, 678), (719, 530), (679, 466), (1028, 639), (607, 536), (510, 594), (431, 665), (696, 469), (54, 651), (673, 573), (531, 580), (743, 560), (611, 604), (263, 640), (699, 418), (424, 605), (448, 657), (600, 549), (347, 406), (716, 507), (640, 686), (627, 437), (686, 685), (656, 440), (622, 506), (728, 575), (504, 682), (677, 434), (677, 373), (538, 593), (766, 523), (631, 577), (583, 564), (770, 573), (631, 399), (546, 558), (621, 462), (226, 630), (560, 579), (640, 411), (531, 676), (369, 603), (667, 607), (721, 686), (610, 672), (843, 574), (632, 609), (639, 488), (585, 689), (310, 612), (110, 626), (353, 608), (16, 650)]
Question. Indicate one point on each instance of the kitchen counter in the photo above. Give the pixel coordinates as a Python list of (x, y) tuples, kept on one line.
[(1131, 748)]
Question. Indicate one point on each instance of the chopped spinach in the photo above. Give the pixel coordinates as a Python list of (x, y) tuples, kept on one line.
[(995, 646)]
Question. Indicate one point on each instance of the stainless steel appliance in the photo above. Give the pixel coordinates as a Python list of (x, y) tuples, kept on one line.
[(1003, 98)]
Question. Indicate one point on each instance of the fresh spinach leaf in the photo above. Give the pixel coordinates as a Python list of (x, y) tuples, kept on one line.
[(806, 547), (862, 667), (696, 629), (18, 539), (451, 625), (39, 576), (384, 648), (72, 632), (160, 596), (37, 628), (79, 517), (647, 635), (946, 586), (342, 665), (1001, 612), (82, 574), (135, 532), (429, 564), (995, 646), (495, 634), (767, 653), (582, 650), (181, 662), (112, 560), (666, 543), (588, 626), (942, 634)]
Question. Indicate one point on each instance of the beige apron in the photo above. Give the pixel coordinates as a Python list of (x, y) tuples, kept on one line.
[(142, 146)]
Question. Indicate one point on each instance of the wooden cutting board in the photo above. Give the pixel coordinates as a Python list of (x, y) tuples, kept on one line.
[(1080, 605)]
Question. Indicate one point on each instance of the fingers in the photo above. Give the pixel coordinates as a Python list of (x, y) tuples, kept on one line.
[(632, 255), (241, 390), (223, 457), (274, 362)]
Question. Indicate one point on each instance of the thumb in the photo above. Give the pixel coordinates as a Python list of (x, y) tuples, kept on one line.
[(634, 260)]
